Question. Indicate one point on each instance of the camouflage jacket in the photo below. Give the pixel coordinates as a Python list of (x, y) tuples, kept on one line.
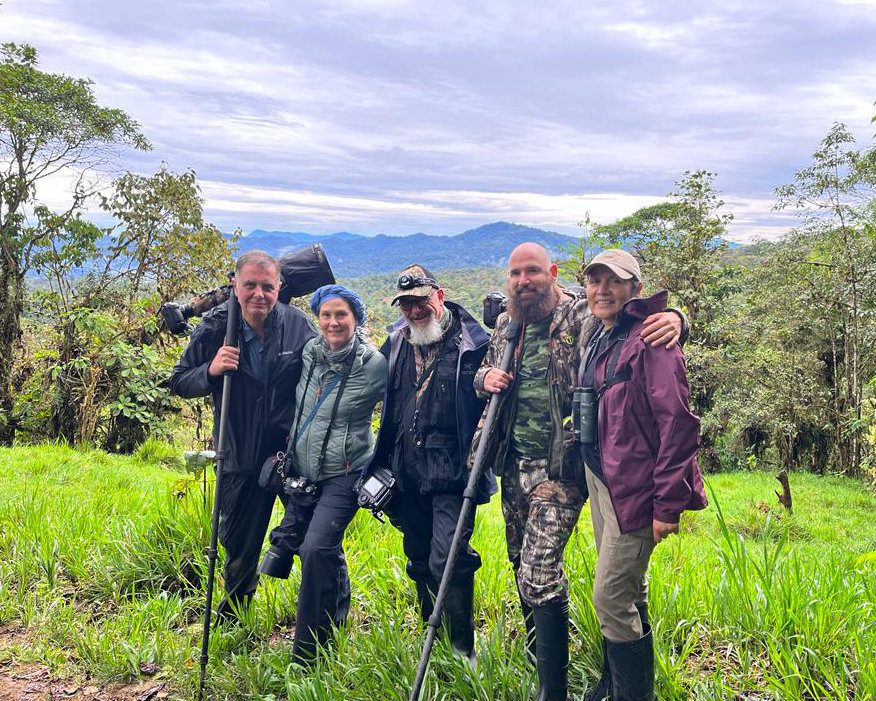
[(571, 322)]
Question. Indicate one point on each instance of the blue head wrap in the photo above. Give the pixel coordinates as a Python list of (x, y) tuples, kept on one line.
[(327, 292)]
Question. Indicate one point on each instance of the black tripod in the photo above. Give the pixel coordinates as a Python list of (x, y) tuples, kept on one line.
[(212, 550), (511, 336)]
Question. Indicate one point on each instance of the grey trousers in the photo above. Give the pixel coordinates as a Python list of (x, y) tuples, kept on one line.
[(621, 563)]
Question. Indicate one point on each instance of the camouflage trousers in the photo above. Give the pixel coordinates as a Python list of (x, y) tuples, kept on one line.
[(540, 515)]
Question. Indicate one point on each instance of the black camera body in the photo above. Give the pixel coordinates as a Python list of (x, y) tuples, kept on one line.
[(295, 486), (376, 490)]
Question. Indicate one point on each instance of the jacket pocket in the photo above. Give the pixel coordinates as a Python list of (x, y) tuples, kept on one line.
[(439, 402), (444, 470)]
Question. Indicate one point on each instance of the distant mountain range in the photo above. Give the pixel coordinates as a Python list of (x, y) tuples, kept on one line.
[(353, 255)]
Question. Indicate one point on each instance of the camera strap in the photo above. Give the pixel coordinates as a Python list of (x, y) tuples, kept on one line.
[(323, 395), (348, 366)]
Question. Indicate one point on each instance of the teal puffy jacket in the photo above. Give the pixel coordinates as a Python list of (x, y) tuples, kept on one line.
[(350, 443)]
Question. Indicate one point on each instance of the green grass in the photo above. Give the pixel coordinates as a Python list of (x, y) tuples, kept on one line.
[(102, 571)]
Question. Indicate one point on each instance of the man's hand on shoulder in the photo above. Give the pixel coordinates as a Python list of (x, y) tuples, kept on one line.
[(662, 328)]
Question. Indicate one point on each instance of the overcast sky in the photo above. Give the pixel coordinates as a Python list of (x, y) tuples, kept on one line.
[(395, 116)]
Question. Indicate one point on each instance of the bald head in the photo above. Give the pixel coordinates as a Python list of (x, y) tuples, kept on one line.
[(532, 283), (530, 251)]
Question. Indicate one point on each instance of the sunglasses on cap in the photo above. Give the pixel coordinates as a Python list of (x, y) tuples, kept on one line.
[(409, 282)]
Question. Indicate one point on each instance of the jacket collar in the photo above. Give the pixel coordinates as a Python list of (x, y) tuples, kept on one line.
[(639, 308)]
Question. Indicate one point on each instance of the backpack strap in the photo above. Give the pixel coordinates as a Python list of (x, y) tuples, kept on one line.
[(612, 377)]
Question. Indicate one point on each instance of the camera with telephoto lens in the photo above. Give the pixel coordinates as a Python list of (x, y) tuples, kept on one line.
[(585, 411), (376, 491)]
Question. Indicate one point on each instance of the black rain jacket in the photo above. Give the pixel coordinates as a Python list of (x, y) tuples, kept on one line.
[(260, 413)]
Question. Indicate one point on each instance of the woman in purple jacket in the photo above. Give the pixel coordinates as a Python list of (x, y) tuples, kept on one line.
[(640, 465)]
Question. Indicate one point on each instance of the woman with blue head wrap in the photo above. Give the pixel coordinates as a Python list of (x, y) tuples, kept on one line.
[(342, 378), (329, 292)]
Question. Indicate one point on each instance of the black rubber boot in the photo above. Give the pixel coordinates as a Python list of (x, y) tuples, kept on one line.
[(552, 650), (529, 623), (427, 590), (602, 690), (276, 563), (458, 615), (632, 669)]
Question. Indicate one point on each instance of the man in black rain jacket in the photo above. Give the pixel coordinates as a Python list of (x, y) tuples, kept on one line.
[(268, 365)]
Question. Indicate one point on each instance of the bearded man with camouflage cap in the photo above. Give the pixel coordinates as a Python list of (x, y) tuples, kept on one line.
[(532, 449), (429, 415)]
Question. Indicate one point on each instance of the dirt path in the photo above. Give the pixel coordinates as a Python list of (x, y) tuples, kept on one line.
[(34, 682)]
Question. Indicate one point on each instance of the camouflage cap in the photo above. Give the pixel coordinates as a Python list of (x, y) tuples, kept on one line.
[(619, 262), (415, 281)]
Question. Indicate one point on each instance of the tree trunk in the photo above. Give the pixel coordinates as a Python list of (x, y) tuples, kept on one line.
[(69, 403), (11, 305), (785, 496)]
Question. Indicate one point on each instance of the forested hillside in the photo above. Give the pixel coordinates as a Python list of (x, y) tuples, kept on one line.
[(353, 256)]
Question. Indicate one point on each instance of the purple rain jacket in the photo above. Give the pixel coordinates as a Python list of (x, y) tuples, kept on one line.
[(648, 437)]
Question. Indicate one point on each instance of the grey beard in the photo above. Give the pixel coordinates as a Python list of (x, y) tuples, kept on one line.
[(538, 308), (427, 335)]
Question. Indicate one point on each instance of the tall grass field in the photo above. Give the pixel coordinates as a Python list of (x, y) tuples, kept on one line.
[(102, 572)]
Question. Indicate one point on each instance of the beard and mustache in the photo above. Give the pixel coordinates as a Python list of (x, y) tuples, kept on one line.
[(426, 335), (537, 307)]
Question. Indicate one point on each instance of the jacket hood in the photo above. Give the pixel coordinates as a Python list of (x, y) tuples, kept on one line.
[(473, 335), (639, 308)]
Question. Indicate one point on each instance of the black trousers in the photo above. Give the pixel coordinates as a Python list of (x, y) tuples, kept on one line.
[(313, 528), (244, 515), (427, 523)]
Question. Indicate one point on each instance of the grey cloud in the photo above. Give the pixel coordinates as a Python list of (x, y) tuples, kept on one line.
[(372, 97)]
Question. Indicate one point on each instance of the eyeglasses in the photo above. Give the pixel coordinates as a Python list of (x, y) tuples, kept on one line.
[(407, 303), (409, 282)]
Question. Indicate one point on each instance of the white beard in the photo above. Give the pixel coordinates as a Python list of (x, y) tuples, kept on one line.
[(426, 335)]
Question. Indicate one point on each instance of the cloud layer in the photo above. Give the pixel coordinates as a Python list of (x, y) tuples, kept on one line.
[(395, 116)]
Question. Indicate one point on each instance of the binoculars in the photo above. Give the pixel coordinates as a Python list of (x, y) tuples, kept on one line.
[(585, 413)]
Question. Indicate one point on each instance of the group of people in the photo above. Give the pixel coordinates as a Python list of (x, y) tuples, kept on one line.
[(312, 395)]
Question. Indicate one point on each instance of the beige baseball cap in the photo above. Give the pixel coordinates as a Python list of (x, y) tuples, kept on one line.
[(415, 281), (619, 262)]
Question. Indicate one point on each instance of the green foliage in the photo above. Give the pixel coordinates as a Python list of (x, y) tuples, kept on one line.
[(680, 246), (105, 380), (162, 234), (48, 123), (833, 263), (101, 562)]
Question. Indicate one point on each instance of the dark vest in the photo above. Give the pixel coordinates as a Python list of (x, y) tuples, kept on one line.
[(426, 452)]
